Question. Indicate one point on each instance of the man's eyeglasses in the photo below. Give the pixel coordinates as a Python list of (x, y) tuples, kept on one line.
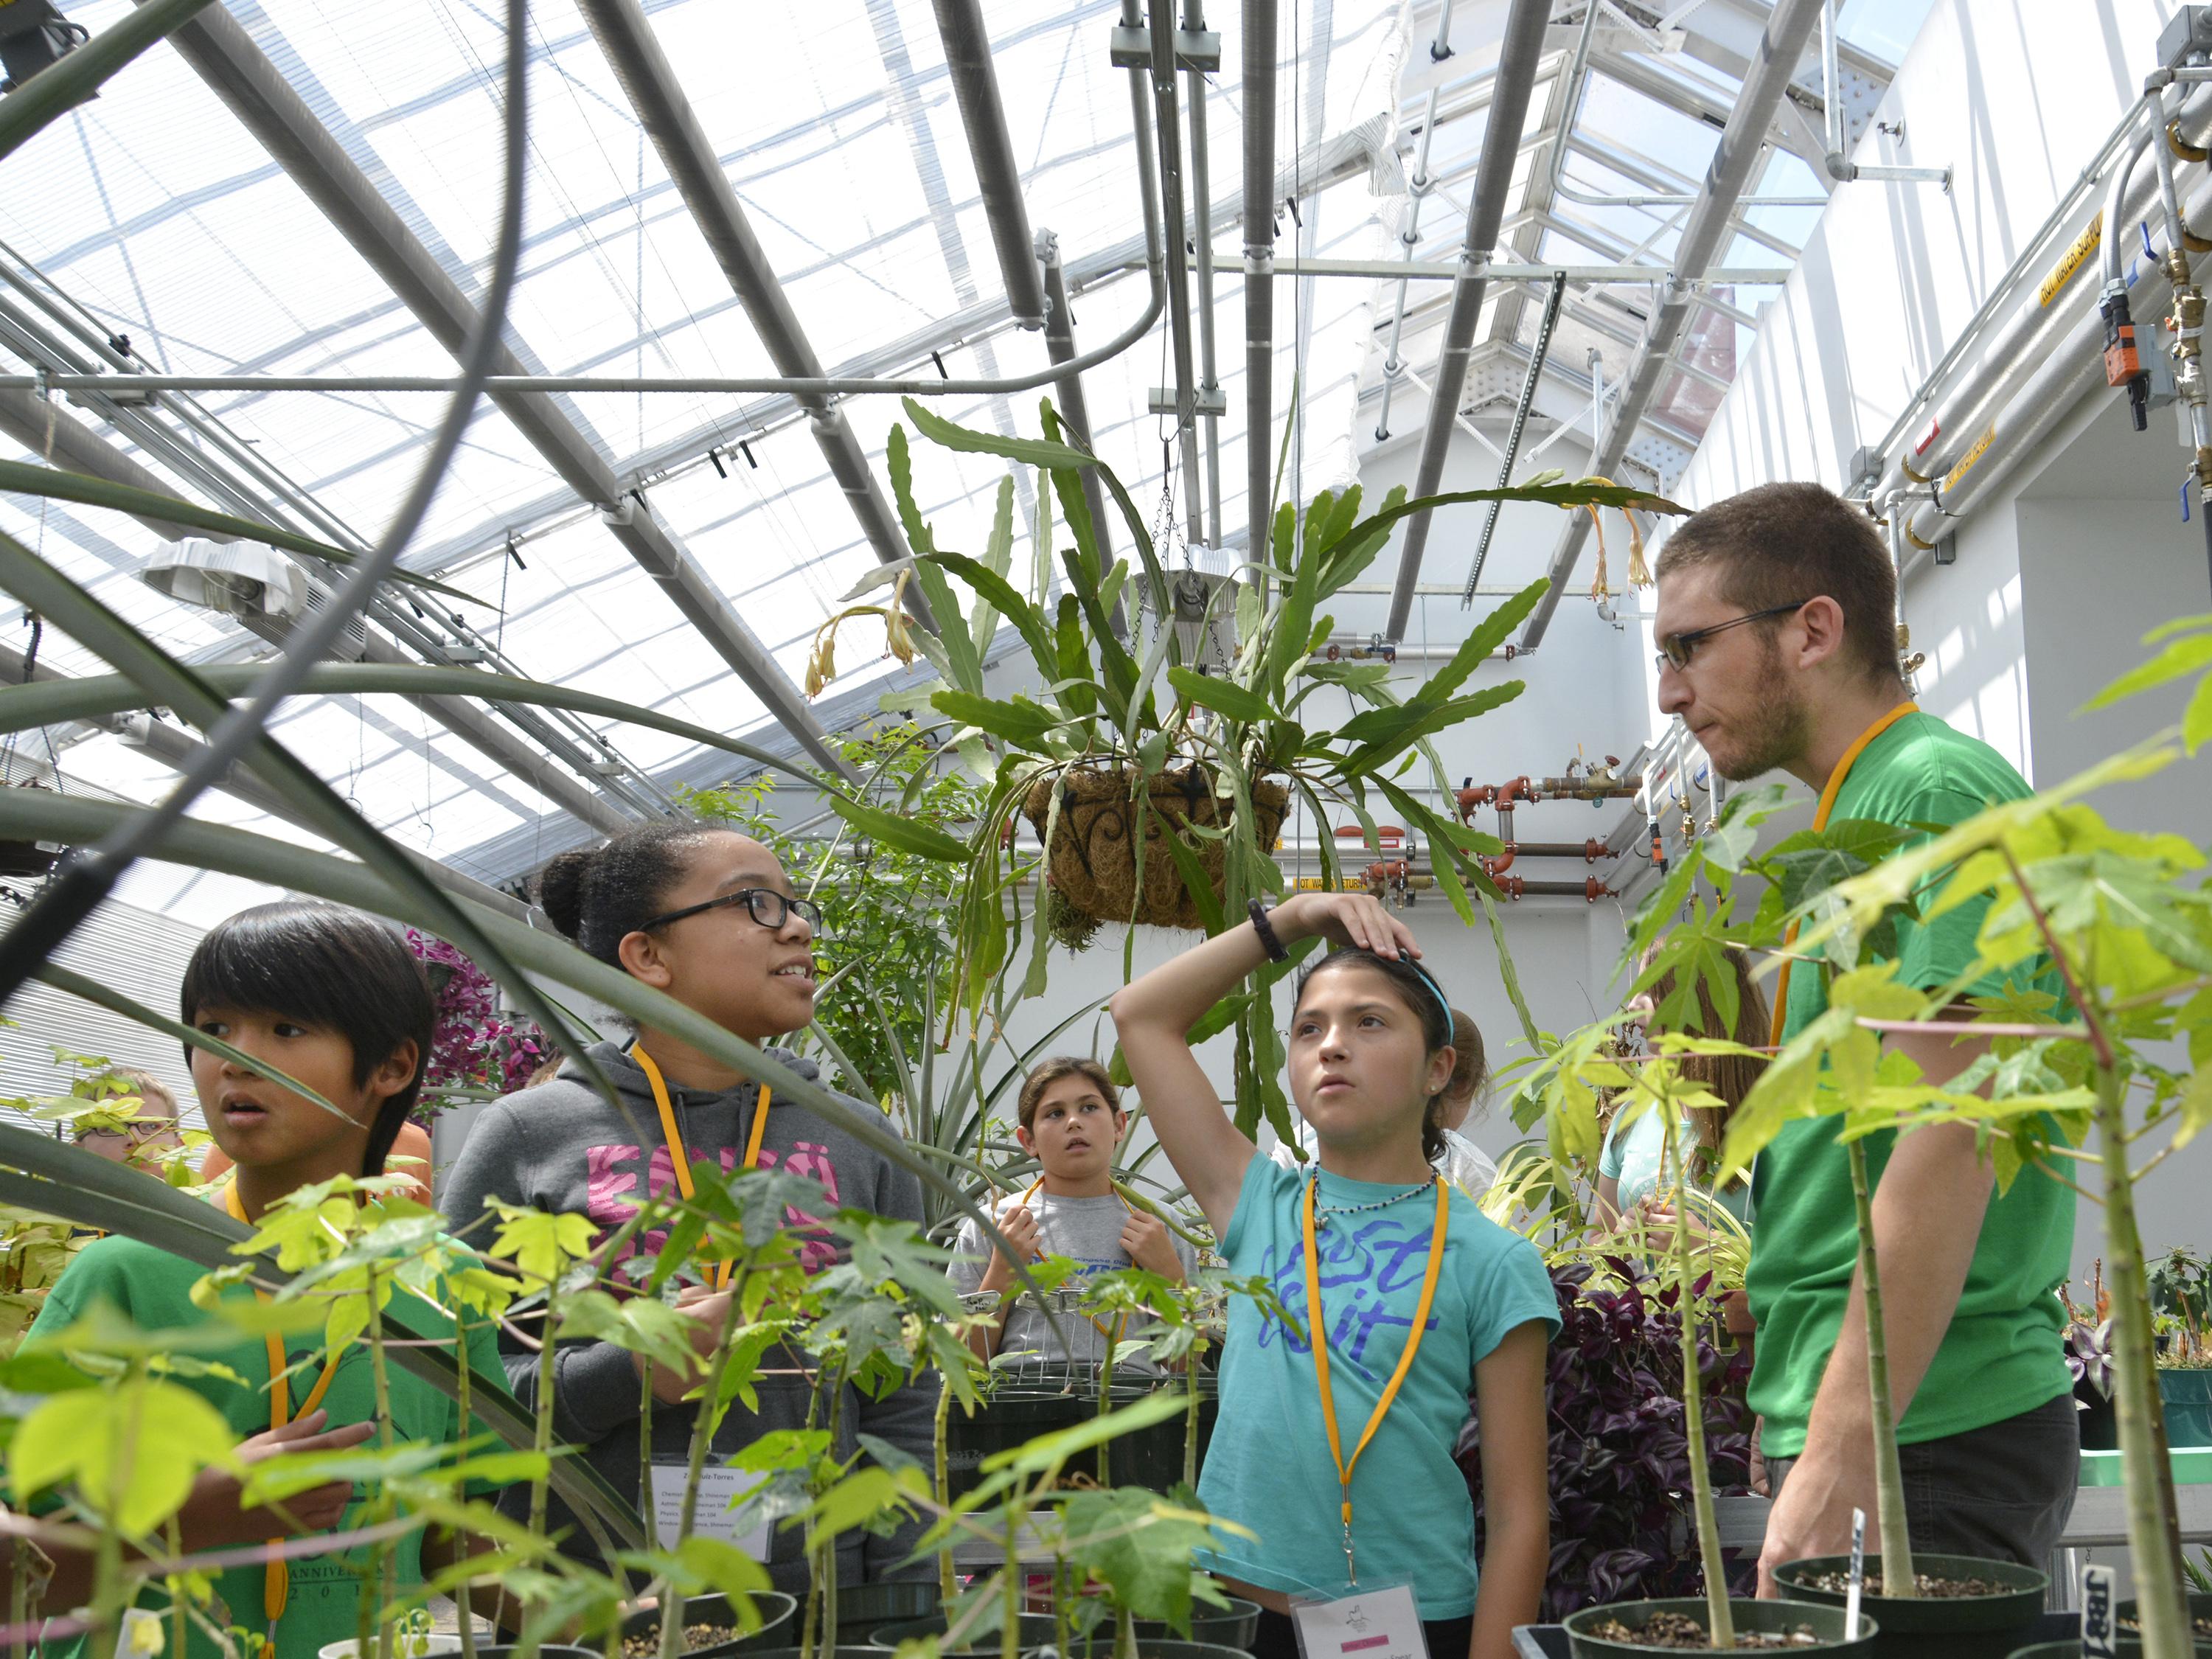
[(1675, 650), (764, 904)]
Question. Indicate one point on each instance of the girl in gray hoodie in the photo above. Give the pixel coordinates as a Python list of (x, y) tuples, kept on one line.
[(710, 917)]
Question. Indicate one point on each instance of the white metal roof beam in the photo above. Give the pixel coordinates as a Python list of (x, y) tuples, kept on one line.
[(1703, 238), (179, 750), (633, 50), (222, 54)]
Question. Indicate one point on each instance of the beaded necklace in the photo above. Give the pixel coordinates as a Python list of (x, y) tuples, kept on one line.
[(1378, 1204)]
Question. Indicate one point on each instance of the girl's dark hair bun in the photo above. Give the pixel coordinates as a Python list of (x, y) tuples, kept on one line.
[(600, 896), (561, 889)]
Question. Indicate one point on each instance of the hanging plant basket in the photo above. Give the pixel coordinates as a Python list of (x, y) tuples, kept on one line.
[(1092, 857)]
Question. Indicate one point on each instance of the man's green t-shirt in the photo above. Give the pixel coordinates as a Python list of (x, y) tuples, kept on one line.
[(2002, 1354), (154, 1289)]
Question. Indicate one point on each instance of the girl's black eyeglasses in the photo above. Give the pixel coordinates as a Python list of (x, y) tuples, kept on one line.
[(1675, 649), (764, 904)]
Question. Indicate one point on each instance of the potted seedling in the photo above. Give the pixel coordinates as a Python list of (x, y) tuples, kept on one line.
[(2181, 1294), (1715, 1621)]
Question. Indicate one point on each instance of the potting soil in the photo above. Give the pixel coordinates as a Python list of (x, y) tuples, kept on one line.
[(646, 1643), (1932, 1588), (1679, 1630)]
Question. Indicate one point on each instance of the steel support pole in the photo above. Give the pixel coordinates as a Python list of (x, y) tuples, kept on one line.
[(1059, 346), (649, 81), (177, 749), (1789, 29), (975, 89), (1201, 184), (222, 54), (48, 431), (1259, 269), (1176, 225), (1519, 52)]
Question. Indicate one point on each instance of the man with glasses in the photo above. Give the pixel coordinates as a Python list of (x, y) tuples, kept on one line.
[(1776, 629)]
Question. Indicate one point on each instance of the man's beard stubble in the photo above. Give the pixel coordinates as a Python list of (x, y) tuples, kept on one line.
[(1777, 733)]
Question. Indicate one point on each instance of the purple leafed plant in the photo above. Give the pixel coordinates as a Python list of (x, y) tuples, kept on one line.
[(1619, 1474), (473, 1046)]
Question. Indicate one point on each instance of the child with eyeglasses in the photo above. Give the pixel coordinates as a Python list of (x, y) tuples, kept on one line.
[(707, 916)]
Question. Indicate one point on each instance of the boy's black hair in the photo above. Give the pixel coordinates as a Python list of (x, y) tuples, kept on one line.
[(1420, 993), (327, 966), (600, 896)]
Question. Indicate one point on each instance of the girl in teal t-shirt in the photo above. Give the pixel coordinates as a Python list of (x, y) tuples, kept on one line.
[(1370, 1057)]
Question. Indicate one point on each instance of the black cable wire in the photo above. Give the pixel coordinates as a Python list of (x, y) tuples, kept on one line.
[(82, 884)]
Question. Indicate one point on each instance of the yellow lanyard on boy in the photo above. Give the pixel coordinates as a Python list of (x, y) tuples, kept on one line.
[(1835, 787), (674, 1136), (277, 1576), (1120, 1320), (1318, 1334)]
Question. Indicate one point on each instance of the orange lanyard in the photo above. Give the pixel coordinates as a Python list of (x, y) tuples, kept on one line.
[(277, 1576), (1121, 1321), (1317, 1333), (1835, 787), (674, 1136)]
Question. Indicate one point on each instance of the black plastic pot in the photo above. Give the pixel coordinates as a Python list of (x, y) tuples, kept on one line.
[(2129, 1646), (1925, 1627), (779, 1615), (549, 1651), (841, 1652), (896, 1600), (1234, 1627), (2049, 1650), (1148, 1647), (1826, 1624), (1019, 1411)]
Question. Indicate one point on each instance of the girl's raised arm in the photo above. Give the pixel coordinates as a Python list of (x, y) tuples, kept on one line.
[(1153, 1016)]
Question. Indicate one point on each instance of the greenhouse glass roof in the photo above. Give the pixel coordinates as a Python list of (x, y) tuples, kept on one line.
[(154, 230)]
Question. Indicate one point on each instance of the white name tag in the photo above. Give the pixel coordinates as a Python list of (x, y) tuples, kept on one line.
[(1379, 1624), (713, 1518)]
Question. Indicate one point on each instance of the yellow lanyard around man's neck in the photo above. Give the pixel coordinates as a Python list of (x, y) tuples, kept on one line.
[(1835, 787), (674, 1136), (1317, 1335), (277, 1576)]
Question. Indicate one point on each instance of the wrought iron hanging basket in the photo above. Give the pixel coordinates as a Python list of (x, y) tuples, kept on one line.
[(1091, 859)]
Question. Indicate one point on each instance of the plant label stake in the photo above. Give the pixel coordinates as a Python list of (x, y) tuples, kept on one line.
[(1858, 1577), (2096, 1612)]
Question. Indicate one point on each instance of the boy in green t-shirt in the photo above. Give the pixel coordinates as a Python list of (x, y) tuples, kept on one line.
[(1777, 628), (334, 999)]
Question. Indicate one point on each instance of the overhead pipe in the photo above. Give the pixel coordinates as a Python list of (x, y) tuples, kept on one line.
[(42, 427), (649, 81), (1835, 161), (1259, 268), (1168, 120), (1790, 26), (178, 750), (1942, 421), (222, 54), (1074, 408), (997, 178), (2045, 393), (1519, 52), (1527, 400), (1201, 183)]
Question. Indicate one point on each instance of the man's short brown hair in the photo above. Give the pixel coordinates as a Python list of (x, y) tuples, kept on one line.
[(1784, 544), (1051, 1071)]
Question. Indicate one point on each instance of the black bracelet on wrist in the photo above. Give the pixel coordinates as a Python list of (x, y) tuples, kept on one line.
[(1266, 930)]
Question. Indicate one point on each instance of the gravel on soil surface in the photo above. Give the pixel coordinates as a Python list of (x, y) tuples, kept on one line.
[(1679, 1630)]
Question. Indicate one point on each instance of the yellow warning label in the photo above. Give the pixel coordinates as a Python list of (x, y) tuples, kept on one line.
[(1966, 461), (1312, 885), (2084, 246)]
